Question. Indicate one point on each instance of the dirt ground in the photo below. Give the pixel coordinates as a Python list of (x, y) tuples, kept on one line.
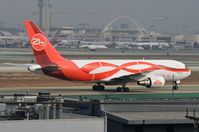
[(27, 79)]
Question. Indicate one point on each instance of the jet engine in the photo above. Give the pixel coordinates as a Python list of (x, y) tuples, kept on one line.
[(152, 82)]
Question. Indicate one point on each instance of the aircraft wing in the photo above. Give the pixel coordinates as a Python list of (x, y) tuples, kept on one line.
[(127, 78), (30, 67)]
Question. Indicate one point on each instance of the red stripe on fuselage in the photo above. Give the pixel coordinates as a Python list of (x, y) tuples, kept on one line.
[(72, 72)]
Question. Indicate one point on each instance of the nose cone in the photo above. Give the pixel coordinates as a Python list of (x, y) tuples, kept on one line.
[(188, 73)]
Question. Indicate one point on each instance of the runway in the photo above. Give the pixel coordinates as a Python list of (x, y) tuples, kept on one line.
[(189, 57), (17, 79), (87, 90)]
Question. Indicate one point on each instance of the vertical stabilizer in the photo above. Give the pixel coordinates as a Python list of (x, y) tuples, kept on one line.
[(44, 52)]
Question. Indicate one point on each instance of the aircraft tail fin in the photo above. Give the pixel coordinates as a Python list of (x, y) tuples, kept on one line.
[(44, 52)]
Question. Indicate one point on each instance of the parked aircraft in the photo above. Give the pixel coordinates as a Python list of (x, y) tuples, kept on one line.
[(93, 47)]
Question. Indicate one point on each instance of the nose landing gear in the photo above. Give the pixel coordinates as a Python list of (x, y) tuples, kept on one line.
[(176, 85)]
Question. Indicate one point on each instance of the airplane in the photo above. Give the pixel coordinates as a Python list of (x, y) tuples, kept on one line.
[(93, 47), (148, 73), (161, 45)]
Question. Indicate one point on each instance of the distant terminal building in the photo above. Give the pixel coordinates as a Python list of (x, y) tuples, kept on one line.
[(123, 32), (186, 41), (65, 31), (127, 29), (7, 39), (194, 38), (123, 28)]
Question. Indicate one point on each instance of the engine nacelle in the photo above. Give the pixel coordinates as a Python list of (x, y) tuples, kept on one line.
[(153, 82)]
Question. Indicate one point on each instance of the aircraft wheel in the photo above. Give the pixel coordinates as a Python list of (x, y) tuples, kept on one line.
[(98, 88), (122, 90), (119, 89), (94, 87), (102, 88), (126, 89), (175, 87)]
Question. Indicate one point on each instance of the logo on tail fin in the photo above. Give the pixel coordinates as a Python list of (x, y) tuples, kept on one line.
[(38, 42)]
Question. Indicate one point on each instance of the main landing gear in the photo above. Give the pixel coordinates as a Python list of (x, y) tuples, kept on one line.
[(98, 87), (123, 88), (176, 85)]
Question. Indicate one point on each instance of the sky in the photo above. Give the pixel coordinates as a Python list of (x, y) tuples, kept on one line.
[(183, 15)]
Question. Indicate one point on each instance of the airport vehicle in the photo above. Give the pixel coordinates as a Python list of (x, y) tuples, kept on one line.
[(149, 73)]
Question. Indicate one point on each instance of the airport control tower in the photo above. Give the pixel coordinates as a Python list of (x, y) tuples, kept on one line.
[(45, 15)]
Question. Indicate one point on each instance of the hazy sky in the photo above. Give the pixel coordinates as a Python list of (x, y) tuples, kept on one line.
[(183, 15)]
